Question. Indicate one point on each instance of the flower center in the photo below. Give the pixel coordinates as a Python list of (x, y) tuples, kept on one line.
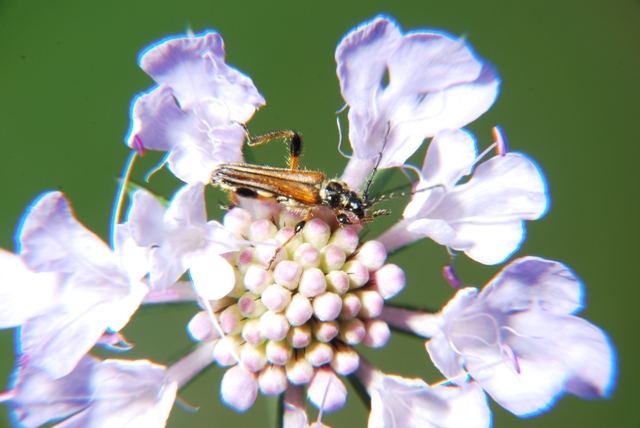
[(322, 295)]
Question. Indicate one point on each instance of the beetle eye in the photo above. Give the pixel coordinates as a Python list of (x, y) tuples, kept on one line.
[(343, 219)]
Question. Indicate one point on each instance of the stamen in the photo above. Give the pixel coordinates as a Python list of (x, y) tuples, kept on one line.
[(157, 168), (186, 406), (124, 182), (340, 135), (450, 275), (500, 140)]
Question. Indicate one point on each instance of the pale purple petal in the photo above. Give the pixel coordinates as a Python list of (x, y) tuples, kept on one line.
[(133, 258), (398, 402), (213, 277), (52, 240), (484, 216), (187, 206), (362, 59), (192, 113), (194, 68), (25, 294), (450, 155), (97, 293), (35, 399), (154, 118), (521, 342), (436, 82), (127, 393)]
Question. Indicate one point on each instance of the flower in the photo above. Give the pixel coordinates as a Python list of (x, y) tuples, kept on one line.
[(191, 112), (435, 82), (67, 287), (482, 217), (400, 402), (94, 394), (180, 238), (519, 338)]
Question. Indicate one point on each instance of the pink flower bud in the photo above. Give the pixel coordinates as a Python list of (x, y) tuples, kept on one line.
[(201, 329), (261, 230), (345, 360), (251, 332), (331, 258), (312, 283), (346, 238), (287, 273), (239, 388), (266, 251), (316, 232), (325, 331), (358, 273), (326, 390), (276, 297), (352, 331), (253, 358), (350, 306), (327, 306), (237, 221), (299, 336), (299, 371), (307, 256), (299, 310), (378, 333), (338, 282), (278, 352), (257, 278), (272, 380), (274, 326), (388, 281), (250, 305), (318, 353), (231, 320), (372, 303), (372, 254)]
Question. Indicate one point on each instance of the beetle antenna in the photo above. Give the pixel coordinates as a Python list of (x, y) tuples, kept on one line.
[(365, 193)]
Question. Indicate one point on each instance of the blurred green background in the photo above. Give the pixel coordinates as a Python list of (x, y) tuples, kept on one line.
[(570, 98)]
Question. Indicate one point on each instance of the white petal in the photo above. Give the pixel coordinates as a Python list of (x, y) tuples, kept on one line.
[(38, 399), (362, 58), (23, 293), (154, 116), (533, 281), (133, 258), (555, 354), (145, 219), (426, 62), (127, 394), (401, 402), (449, 157), (187, 206), (52, 240), (194, 68), (212, 276)]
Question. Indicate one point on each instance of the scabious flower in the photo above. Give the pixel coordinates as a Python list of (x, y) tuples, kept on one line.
[(285, 302), (519, 338), (482, 217), (192, 118), (180, 238), (97, 393), (66, 288), (435, 82)]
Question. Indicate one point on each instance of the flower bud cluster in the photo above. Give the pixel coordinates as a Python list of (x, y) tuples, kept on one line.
[(321, 294)]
